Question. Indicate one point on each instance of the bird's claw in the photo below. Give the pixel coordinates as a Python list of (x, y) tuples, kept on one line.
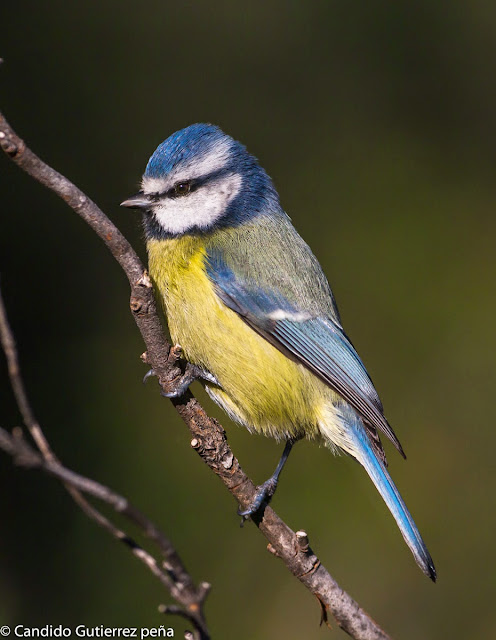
[(263, 496), (192, 372), (182, 383), (149, 374)]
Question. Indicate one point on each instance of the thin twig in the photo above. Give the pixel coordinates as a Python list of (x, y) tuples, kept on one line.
[(175, 577), (208, 437), (24, 455)]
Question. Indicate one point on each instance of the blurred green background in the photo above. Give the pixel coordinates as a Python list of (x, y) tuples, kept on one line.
[(377, 122)]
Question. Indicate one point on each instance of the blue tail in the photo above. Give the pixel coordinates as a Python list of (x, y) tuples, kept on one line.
[(382, 480)]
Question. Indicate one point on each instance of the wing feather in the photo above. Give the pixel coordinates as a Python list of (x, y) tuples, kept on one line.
[(320, 344)]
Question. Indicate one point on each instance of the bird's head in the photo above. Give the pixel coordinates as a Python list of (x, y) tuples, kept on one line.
[(199, 179)]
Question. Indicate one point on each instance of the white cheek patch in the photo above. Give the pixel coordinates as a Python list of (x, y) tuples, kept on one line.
[(199, 209), (214, 160)]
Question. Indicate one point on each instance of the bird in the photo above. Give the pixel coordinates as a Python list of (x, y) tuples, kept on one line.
[(253, 313)]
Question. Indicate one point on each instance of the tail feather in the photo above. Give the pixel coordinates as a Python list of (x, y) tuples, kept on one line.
[(390, 494)]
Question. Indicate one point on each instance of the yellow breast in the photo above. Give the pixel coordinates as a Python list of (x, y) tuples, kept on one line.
[(260, 387)]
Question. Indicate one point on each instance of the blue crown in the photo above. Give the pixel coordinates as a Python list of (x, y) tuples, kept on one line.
[(182, 146)]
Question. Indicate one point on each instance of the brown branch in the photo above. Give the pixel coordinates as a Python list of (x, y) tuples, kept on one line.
[(174, 577), (208, 437)]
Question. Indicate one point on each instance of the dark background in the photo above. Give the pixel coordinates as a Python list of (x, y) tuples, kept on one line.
[(377, 122)]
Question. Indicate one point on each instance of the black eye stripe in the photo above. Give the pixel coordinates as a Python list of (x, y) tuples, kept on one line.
[(193, 185)]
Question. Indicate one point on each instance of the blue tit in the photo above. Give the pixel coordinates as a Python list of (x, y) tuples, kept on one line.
[(253, 312)]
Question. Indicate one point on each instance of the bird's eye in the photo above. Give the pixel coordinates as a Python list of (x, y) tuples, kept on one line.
[(182, 188)]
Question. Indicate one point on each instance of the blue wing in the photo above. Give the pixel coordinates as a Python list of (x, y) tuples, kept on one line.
[(318, 343)]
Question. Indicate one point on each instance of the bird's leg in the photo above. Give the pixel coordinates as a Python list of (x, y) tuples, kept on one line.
[(266, 490)]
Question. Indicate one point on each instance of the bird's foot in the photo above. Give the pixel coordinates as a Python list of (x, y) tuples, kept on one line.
[(263, 496), (180, 385), (173, 358)]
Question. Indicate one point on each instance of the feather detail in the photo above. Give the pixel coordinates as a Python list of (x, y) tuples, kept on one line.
[(318, 343)]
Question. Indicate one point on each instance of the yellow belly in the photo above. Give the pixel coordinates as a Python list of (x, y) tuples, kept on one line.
[(259, 386)]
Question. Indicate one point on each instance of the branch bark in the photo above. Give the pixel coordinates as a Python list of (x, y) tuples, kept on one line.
[(208, 436)]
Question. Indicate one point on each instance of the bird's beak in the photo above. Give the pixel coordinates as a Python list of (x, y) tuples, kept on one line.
[(139, 201)]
